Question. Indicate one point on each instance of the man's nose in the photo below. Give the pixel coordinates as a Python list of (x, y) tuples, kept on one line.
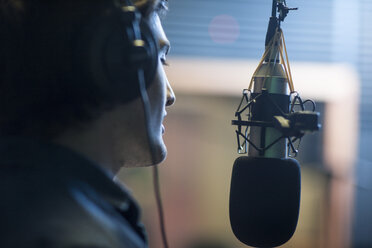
[(171, 98)]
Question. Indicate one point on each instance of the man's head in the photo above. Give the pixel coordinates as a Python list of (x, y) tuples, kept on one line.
[(43, 89), (45, 84)]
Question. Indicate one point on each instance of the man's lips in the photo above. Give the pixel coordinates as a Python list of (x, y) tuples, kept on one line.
[(162, 126)]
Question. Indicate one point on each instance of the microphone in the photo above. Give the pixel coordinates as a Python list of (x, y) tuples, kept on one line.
[(264, 200), (265, 185)]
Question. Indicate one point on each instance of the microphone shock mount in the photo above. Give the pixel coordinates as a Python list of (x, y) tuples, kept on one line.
[(290, 115)]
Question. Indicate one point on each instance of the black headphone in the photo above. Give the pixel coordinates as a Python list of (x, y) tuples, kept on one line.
[(115, 46)]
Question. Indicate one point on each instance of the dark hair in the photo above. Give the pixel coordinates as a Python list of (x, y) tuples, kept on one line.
[(41, 94)]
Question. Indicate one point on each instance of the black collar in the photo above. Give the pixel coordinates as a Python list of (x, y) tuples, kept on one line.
[(59, 161)]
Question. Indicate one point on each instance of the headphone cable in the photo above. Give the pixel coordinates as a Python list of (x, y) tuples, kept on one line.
[(156, 180), (146, 108)]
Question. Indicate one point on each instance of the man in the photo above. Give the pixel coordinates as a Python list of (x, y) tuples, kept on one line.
[(65, 133)]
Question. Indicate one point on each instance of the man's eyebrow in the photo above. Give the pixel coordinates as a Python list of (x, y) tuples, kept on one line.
[(161, 8)]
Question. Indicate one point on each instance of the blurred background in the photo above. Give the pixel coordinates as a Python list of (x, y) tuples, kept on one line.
[(216, 45)]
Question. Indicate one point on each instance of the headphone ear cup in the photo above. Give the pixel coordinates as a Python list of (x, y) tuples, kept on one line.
[(123, 60), (106, 55)]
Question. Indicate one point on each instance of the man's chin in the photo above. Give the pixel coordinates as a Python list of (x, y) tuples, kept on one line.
[(147, 159), (159, 156)]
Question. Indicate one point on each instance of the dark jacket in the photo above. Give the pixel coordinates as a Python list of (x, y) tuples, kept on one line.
[(53, 197)]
